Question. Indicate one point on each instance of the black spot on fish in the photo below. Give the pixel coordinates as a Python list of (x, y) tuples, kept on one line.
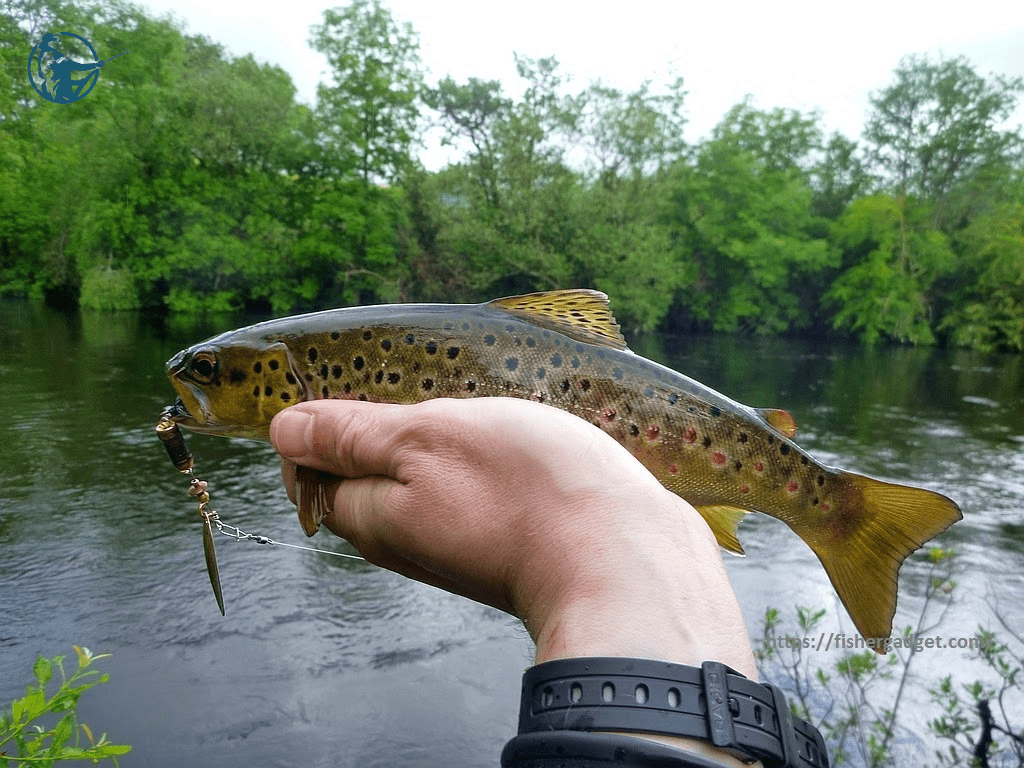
[(378, 377), (347, 388), (289, 377), (285, 396), (274, 365), (814, 501), (258, 367), (517, 341), (324, 391), (323, 371), (617, 373), (739, 465), (385, 344), (530, 341), (362, 397), (336, 371), (634, 430), (453, 352), (803, 460), (268, 391), (784, 449), (512, 363), (358, 362), (308, 377), (312, 354), (564, 385), (237, 376), (428, 384), (585, 385), (821, 479), (771, 439), (742, 437), (706, 442), (410, 339), (489, 339), (367, 335), (556, 361), (540, 373), (470, 386), (431, 348), (692, 409), (673, 398), (714, 410), (335, 335), (256, 392)]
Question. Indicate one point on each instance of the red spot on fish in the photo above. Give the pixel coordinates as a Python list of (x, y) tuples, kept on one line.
[(825, 506), (673, 469), (609, 414), (718, 458), (690, 435), (653, 431), (744, 489), (793, 486), (759, 466)]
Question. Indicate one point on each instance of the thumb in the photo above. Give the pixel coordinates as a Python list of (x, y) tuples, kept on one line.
[(347, 438)]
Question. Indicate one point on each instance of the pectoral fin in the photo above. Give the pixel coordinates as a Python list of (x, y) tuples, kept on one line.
[(311, 497)]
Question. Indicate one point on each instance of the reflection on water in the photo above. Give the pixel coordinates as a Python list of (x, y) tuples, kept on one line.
[(324, 661)]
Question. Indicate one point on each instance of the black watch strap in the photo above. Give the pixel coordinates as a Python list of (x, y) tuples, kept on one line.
[(712, 702)]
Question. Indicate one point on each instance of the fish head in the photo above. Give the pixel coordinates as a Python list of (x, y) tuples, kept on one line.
[(232, 387)]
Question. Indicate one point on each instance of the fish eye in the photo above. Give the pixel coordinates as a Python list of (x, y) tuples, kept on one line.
[(202, 367)]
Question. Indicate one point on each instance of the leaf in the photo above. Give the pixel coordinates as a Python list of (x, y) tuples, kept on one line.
[(43, 670)]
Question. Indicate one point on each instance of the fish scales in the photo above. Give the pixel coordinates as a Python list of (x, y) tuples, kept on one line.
[(563, 349)]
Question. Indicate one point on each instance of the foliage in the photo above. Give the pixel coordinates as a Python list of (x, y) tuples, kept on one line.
[(895, 257), (192, 180), (36, 744)]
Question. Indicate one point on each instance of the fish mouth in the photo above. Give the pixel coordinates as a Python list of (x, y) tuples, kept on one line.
[(177, 413)]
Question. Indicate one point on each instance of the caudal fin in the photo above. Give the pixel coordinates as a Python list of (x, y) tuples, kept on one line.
[(881, 524)]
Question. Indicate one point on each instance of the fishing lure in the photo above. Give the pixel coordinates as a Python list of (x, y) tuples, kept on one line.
[(170, 435), (174, 442)]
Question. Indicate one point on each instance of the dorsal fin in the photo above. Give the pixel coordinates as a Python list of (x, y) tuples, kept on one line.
[(579, 313), (782, 421)]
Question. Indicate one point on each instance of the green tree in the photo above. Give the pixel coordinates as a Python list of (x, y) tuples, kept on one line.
[(745, 220), (893, 257), (369, 113), (937, 127)]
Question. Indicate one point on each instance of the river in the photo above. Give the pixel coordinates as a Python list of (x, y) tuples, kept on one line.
[(323, 661)]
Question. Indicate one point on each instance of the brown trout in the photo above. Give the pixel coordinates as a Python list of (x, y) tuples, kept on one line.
[(564, 348)]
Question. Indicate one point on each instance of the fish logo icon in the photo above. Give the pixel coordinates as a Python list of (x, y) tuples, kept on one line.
[(53, 73)]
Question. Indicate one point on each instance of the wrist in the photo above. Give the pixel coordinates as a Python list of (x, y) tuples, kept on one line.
[(659, 593)]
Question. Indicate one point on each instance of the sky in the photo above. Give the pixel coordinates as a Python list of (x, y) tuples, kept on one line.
[(799, 54)]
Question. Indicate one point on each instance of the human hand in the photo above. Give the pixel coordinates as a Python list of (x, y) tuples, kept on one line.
[(529, 509)]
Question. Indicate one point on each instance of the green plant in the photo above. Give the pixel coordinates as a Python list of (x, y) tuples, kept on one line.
[(38, 745), (845, 703)]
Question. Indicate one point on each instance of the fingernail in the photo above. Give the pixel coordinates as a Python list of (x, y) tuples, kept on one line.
[(292, 433)]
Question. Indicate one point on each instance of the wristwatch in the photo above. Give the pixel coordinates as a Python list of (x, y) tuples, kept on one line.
[(568, 706)]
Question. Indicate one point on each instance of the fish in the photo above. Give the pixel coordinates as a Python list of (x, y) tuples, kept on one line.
[(565, 349)]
